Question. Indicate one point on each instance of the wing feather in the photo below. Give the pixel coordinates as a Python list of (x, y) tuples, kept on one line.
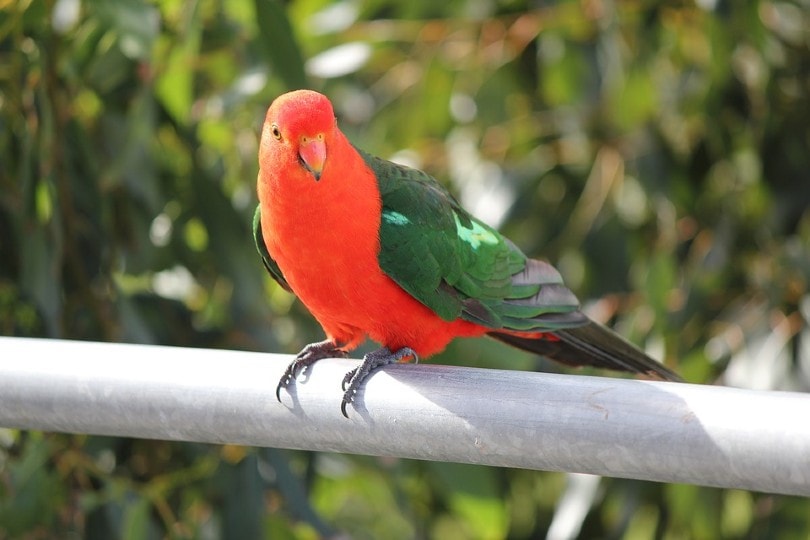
[(267, 260), (457, 265)]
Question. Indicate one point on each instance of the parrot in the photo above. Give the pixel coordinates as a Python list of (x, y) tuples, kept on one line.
[(377, 250)]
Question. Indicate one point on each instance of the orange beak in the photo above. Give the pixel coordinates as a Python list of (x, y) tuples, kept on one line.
[(312, 154)]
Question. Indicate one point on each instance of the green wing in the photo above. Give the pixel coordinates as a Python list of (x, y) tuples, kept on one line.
[(268, 261), (460, 267)]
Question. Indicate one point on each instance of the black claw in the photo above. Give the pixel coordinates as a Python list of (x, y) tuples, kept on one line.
[(286, 379), (308, 356), (281, 384), (373, 360), (347, 378)]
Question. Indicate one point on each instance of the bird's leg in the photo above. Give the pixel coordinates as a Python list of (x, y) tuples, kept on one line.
[(371, 361), (308, 356)]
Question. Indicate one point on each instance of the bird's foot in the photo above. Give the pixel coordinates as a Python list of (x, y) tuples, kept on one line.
[(371, 361), (308, 356)]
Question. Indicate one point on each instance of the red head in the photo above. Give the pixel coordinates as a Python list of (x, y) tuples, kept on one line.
[(297, 131)]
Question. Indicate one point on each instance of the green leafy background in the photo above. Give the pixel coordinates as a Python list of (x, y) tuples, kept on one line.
[(658, 153)]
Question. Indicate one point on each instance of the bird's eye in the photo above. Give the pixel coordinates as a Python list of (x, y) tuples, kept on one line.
[(275, 131)]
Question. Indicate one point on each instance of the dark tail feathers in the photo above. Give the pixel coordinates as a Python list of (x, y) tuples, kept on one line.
[(592, 345)]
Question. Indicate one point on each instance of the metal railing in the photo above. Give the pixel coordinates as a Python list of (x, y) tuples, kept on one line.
[(668, 432)]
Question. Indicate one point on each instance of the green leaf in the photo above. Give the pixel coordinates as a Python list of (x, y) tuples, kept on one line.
[(30, 494), (135, 23), (175, 84), (473, 495), (40, 279), (137, 519), (278, 43)]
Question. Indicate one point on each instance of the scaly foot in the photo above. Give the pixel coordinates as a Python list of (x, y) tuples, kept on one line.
[(308, 356), (371, 361)]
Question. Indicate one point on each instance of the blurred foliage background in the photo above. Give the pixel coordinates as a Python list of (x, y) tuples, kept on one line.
[(659, 154)]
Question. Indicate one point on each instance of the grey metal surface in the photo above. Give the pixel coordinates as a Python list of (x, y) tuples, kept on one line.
[(668, 432)]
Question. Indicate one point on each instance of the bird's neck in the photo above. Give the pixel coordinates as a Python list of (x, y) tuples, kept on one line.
[(305, 220)]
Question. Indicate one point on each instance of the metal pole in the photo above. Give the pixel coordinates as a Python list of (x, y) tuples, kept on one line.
[(668, 432)]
